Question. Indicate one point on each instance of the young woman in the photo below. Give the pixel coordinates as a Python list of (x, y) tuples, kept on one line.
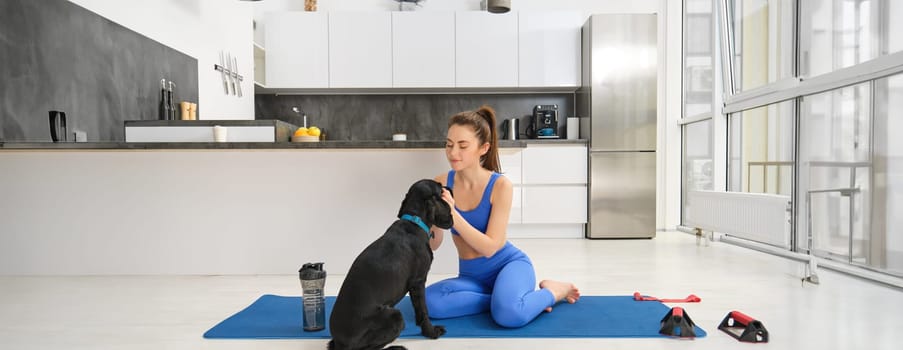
[(493, 274)]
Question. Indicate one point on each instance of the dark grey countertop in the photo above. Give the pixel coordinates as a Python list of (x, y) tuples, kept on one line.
[(375, 144)]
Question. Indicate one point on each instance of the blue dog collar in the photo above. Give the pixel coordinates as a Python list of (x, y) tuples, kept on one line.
[(416, 220)]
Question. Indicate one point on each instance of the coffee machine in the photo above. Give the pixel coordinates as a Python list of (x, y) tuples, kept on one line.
[(543, 123)]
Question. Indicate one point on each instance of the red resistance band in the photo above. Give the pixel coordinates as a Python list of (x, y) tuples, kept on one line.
[(692, 298)]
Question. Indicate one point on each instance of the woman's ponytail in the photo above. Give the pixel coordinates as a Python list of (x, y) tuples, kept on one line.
[(490, 160), (482, 121)]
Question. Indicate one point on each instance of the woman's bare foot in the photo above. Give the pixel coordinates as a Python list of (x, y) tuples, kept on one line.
[(561, 291)]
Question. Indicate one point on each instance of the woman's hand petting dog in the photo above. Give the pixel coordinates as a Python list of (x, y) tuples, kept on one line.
[(447, 197)]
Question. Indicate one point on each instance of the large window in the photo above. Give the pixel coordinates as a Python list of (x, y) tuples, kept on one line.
[(698, 94), (813, 111), (835, 161), (885, 244), (697, 160), (763, 42), (698, 58), (761, 150), (852, 174), (837, 34)]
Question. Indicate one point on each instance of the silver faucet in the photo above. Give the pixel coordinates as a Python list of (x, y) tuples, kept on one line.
[(303, 115)]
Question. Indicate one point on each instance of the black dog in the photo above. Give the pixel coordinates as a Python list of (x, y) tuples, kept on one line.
[(364, 317)]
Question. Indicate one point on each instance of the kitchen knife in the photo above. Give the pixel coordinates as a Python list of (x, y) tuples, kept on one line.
[(229, 73), (235, 70), (222, 71)]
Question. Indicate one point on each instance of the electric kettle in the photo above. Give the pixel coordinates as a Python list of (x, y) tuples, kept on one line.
[(58, 128), (511, 129)]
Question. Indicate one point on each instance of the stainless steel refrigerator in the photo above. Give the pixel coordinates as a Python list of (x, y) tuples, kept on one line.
[(617, 104)]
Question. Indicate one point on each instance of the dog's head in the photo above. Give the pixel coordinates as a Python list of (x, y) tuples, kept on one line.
[(424, 199)]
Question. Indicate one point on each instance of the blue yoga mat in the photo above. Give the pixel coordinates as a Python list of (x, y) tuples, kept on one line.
[(279, 317)]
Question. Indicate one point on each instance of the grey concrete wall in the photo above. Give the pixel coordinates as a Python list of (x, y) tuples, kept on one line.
[(55, 55), (421, 117)]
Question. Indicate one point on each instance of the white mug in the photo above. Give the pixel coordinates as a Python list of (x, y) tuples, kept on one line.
[(219, 133)]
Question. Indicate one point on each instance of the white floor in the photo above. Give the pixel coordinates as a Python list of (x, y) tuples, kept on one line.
[(172, 312)]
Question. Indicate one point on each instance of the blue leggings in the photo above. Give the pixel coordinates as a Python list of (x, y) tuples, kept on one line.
[(504, 285)]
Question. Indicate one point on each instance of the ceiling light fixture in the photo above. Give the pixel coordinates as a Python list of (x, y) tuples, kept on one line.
[(408, 5), (499, 6)]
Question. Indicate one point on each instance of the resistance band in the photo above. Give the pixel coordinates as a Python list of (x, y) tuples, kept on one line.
[(692, 298)]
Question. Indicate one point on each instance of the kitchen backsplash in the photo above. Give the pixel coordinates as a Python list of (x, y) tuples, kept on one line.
[(421, 117), (55, 55)]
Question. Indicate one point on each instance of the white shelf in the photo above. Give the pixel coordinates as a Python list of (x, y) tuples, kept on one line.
[(260, 72)]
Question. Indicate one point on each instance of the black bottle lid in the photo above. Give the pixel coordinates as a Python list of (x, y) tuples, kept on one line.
[(312, 271)]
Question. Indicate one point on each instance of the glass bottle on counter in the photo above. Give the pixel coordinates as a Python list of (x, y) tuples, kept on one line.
[(164, 110), (172, 105)]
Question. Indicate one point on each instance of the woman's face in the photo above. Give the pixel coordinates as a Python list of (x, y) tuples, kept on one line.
[(463, 148)]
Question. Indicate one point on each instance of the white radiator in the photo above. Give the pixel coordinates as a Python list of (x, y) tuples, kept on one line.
[(758, 217)]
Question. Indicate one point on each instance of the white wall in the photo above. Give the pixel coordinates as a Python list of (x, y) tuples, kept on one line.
[(201, 29)]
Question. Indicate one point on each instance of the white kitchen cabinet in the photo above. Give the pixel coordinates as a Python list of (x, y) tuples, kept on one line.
[(360, 49), (431, 49), (554, 204), (516, 215), (549, 48), (297, 50), (260, 53), (554, 184), (486, 49), (510, 161), (554, 164), (423, 49)]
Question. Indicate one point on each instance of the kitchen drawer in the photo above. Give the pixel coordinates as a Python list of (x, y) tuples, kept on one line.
[(553, 204), (516, 206), (554, 165), (510, 160)]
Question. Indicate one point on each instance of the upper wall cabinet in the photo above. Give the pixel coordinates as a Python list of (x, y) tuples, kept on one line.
[(297, 50), (486, 49), (442, 50), (360, 49), (549, 48), (423, 49)]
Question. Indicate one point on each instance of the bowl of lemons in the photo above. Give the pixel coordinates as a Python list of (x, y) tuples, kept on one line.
[(309, 134)]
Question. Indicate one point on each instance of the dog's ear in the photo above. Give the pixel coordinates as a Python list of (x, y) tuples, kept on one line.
[(404, 204), (440, 213), (439, 210), (415, 200)]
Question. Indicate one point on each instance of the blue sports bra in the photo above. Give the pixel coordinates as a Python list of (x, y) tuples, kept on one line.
[(479, 216)]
